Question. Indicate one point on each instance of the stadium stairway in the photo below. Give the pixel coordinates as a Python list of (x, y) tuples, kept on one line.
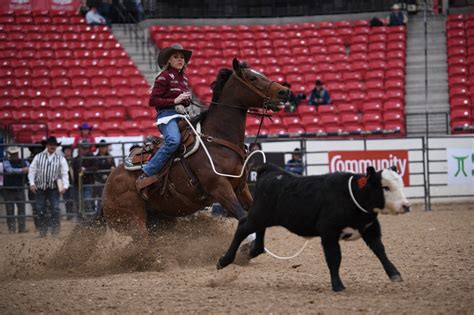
[(438, 97), (142, 61)]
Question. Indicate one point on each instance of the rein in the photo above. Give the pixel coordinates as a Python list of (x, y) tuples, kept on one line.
[(349, 185)]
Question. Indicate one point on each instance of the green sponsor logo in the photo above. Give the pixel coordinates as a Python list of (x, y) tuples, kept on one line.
[(461, 165)]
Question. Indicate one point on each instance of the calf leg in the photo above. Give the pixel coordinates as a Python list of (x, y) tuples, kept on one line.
[(373, 238), (258, 245), (243, 230), (332, 252)]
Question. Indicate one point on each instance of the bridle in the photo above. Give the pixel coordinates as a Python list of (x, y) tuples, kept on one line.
[(266, 105)]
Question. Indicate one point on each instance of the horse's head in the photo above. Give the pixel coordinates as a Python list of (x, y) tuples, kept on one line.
[(265, 93)]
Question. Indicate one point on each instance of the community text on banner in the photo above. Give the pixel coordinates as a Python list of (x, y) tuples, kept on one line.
[(358, 161), (460, 166)]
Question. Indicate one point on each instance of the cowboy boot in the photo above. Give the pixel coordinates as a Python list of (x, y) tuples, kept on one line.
[(143, 183)]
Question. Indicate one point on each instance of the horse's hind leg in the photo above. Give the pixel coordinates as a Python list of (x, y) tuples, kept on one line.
[(243, 230)]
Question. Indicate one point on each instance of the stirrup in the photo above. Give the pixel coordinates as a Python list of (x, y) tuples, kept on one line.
[(143, 183)]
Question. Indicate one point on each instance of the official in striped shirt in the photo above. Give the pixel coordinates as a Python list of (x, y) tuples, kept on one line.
[(45, 170)]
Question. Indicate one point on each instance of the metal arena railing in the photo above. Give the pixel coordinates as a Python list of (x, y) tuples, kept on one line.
[(427, 162)]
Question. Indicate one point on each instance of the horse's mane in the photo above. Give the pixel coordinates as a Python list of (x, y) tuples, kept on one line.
[(222, 77)]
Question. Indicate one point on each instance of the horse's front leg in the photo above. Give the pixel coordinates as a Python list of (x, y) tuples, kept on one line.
[(225, 195)]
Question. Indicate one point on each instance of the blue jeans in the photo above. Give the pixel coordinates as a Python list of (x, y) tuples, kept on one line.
[(170, 132), (42, 196)]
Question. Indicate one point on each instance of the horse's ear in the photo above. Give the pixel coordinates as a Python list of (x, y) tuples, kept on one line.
[(236, 66)]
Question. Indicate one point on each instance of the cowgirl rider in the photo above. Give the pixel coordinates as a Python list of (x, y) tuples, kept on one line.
[(170, 94)]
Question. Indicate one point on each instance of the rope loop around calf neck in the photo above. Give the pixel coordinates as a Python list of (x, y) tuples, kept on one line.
[(349, 185)]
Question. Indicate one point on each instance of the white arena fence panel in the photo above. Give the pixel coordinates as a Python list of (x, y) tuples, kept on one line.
[(429, 176)]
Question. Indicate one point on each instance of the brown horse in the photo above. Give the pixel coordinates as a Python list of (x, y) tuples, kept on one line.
[(124, 209)]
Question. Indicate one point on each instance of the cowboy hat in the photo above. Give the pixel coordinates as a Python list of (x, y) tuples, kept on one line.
[(102, 143), (52, 140), (13, 150), (395, 7), (166, 53)]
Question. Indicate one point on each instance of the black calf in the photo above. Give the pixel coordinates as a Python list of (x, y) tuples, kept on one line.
[(318, 206)]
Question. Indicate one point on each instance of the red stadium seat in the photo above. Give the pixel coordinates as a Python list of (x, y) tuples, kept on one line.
[(370, 117), (346, 108)]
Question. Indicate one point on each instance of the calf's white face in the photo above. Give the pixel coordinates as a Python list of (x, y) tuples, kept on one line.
[(395, 200)]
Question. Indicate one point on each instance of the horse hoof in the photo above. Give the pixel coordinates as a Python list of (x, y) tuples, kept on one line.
[(396, 278), (218, 266)]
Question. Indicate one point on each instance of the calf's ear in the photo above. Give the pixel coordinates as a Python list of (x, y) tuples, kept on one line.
[(370, 171), (394, 168)]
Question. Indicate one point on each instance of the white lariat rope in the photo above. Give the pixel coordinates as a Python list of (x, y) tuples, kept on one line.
[(198, 137), (252, 236), (352, 195)]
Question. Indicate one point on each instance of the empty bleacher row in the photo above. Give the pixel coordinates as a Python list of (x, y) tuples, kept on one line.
[(362, 67), (460, 47), (57, 72)]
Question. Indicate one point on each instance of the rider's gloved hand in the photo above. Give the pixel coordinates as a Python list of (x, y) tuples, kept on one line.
[(180, 109), (183, 98)]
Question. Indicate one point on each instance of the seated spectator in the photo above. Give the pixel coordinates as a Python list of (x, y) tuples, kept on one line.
[(93, 17), (15, 170), (105, 8), (396, 18), (135, 7), (85, 135), (319, 95), (376, 22), (83, 8), (293, 100), (295, 165)]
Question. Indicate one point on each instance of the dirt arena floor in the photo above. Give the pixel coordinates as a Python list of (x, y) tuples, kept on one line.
[(80, 272)]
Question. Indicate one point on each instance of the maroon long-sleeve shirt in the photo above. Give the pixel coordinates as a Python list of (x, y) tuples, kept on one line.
[(168, 85)]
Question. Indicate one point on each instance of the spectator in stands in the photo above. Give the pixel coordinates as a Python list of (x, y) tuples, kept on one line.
[(295, 165), (93, 17), (48, 179), (104, 9), (170, 95), (136, 8), (15, 170), (397, 18), (35, 149), (69, 194), (86, 135), (84, 166), (105, 164), (83, 8), (376, 22), (319, 95), (293, 101)]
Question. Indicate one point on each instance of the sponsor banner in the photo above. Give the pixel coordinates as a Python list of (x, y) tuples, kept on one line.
[(38, 5), (460, 166), (358, 161)]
